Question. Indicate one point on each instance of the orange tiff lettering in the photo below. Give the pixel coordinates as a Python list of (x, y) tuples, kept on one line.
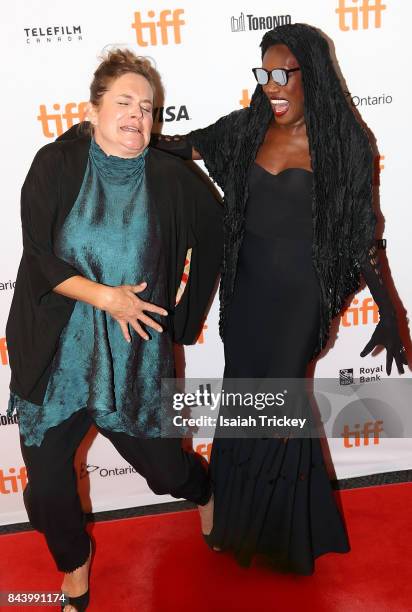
[(10, 483), (369, 429), (4, 357), (364, 8), (359, 315), (60, 121), (168, 20)]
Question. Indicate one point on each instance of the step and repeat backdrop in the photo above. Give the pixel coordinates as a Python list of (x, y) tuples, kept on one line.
[(204, 53)]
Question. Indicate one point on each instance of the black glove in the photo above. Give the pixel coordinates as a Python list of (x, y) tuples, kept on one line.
[(176, 145), (386, 333)]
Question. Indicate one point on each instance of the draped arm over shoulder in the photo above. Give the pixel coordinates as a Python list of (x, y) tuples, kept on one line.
[(214, 143), (40, 197)]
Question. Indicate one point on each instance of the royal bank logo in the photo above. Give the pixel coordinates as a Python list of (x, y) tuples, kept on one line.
[(366, 375), (162, 29), (46, 34), (357, 13), (346, 376), (243, 22)]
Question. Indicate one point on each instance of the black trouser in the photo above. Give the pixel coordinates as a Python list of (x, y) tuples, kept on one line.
[(51, 498)]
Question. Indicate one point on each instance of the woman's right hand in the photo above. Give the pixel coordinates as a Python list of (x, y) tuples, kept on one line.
[(127, 309), (176, 145)]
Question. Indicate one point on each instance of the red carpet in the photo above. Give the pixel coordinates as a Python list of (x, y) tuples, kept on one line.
[(160, 564)]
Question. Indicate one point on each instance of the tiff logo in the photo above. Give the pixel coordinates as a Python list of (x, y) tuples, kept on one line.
[(351, 315), (4, 356), (366, 6), (12, 480), (378, 166), (201, 338), (369, 429), (245, 99), (204, 450), (72, 111), (168, 20)]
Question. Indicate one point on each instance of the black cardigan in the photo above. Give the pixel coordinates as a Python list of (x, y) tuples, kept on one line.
[(189, 216)]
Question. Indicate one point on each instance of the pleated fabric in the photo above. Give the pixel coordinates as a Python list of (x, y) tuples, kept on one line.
[(273, 497)]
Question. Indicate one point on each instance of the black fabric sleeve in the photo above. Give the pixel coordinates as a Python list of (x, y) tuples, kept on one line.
[(40, 197), (386, 333), (215, 144), (370, 269), (205, 238), (176, 145)]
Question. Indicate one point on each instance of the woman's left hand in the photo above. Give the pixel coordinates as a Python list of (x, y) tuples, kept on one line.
[(386, 334)]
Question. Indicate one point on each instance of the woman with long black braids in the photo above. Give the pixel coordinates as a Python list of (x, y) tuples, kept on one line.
[(296, 171)]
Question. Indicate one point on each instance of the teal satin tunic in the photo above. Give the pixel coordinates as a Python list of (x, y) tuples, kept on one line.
[(111, 236)]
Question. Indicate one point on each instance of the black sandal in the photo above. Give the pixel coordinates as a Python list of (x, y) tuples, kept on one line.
[(209, 541), (80, 603)]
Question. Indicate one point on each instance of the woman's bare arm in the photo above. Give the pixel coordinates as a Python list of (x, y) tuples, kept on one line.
[(120, 302)]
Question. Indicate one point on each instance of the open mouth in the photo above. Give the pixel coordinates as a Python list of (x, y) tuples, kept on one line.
[(131, 129), (280, 106)]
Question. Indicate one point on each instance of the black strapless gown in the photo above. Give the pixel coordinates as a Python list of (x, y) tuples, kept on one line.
[(274, 496)]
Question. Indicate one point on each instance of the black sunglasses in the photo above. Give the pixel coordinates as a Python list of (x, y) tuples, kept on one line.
[(279, 75)]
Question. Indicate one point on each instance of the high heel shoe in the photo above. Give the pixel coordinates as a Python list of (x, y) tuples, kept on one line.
[(80, 603), (209, 541), (208, 538)]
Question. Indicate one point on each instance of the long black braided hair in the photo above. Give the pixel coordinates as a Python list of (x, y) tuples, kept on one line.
[(342, 163)]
